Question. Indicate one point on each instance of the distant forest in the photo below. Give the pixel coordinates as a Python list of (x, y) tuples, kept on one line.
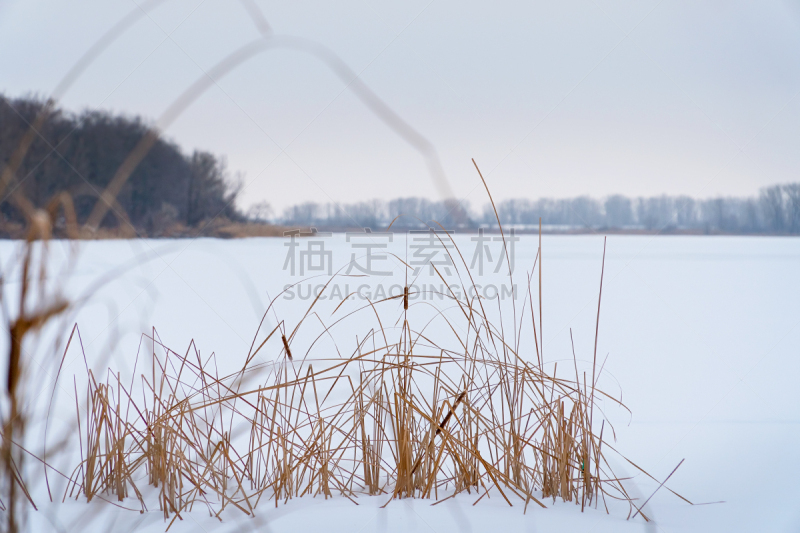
[(776, 210), (79, 154), (170, 191)]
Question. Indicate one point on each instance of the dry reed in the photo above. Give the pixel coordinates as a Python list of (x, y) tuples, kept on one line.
[(402, 415)]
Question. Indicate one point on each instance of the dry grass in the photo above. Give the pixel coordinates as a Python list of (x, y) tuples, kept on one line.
[(401, 415), (405, 414), (417, 407), (219, 228), (412, 411)]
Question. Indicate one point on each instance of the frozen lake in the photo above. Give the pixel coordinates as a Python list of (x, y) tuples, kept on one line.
[(702, 336)]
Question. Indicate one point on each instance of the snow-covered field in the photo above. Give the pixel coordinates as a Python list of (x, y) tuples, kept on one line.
[(703, 337)]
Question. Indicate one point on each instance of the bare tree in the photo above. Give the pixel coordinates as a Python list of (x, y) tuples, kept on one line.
[(656, 212), (260, 212), (772, 206), (686, 215), (619, 211), (792, 191)]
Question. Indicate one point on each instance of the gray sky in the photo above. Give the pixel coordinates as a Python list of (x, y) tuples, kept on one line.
[(551, 98)]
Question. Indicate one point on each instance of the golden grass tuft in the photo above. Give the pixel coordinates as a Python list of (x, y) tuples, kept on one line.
[(402, 416)]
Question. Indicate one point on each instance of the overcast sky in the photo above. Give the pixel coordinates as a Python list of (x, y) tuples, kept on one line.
[(552, 98)]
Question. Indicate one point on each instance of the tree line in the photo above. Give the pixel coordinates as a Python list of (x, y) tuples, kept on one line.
[(775, 210), (80, 153)]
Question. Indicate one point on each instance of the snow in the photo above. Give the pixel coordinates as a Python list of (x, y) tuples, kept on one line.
[(702, 335)]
